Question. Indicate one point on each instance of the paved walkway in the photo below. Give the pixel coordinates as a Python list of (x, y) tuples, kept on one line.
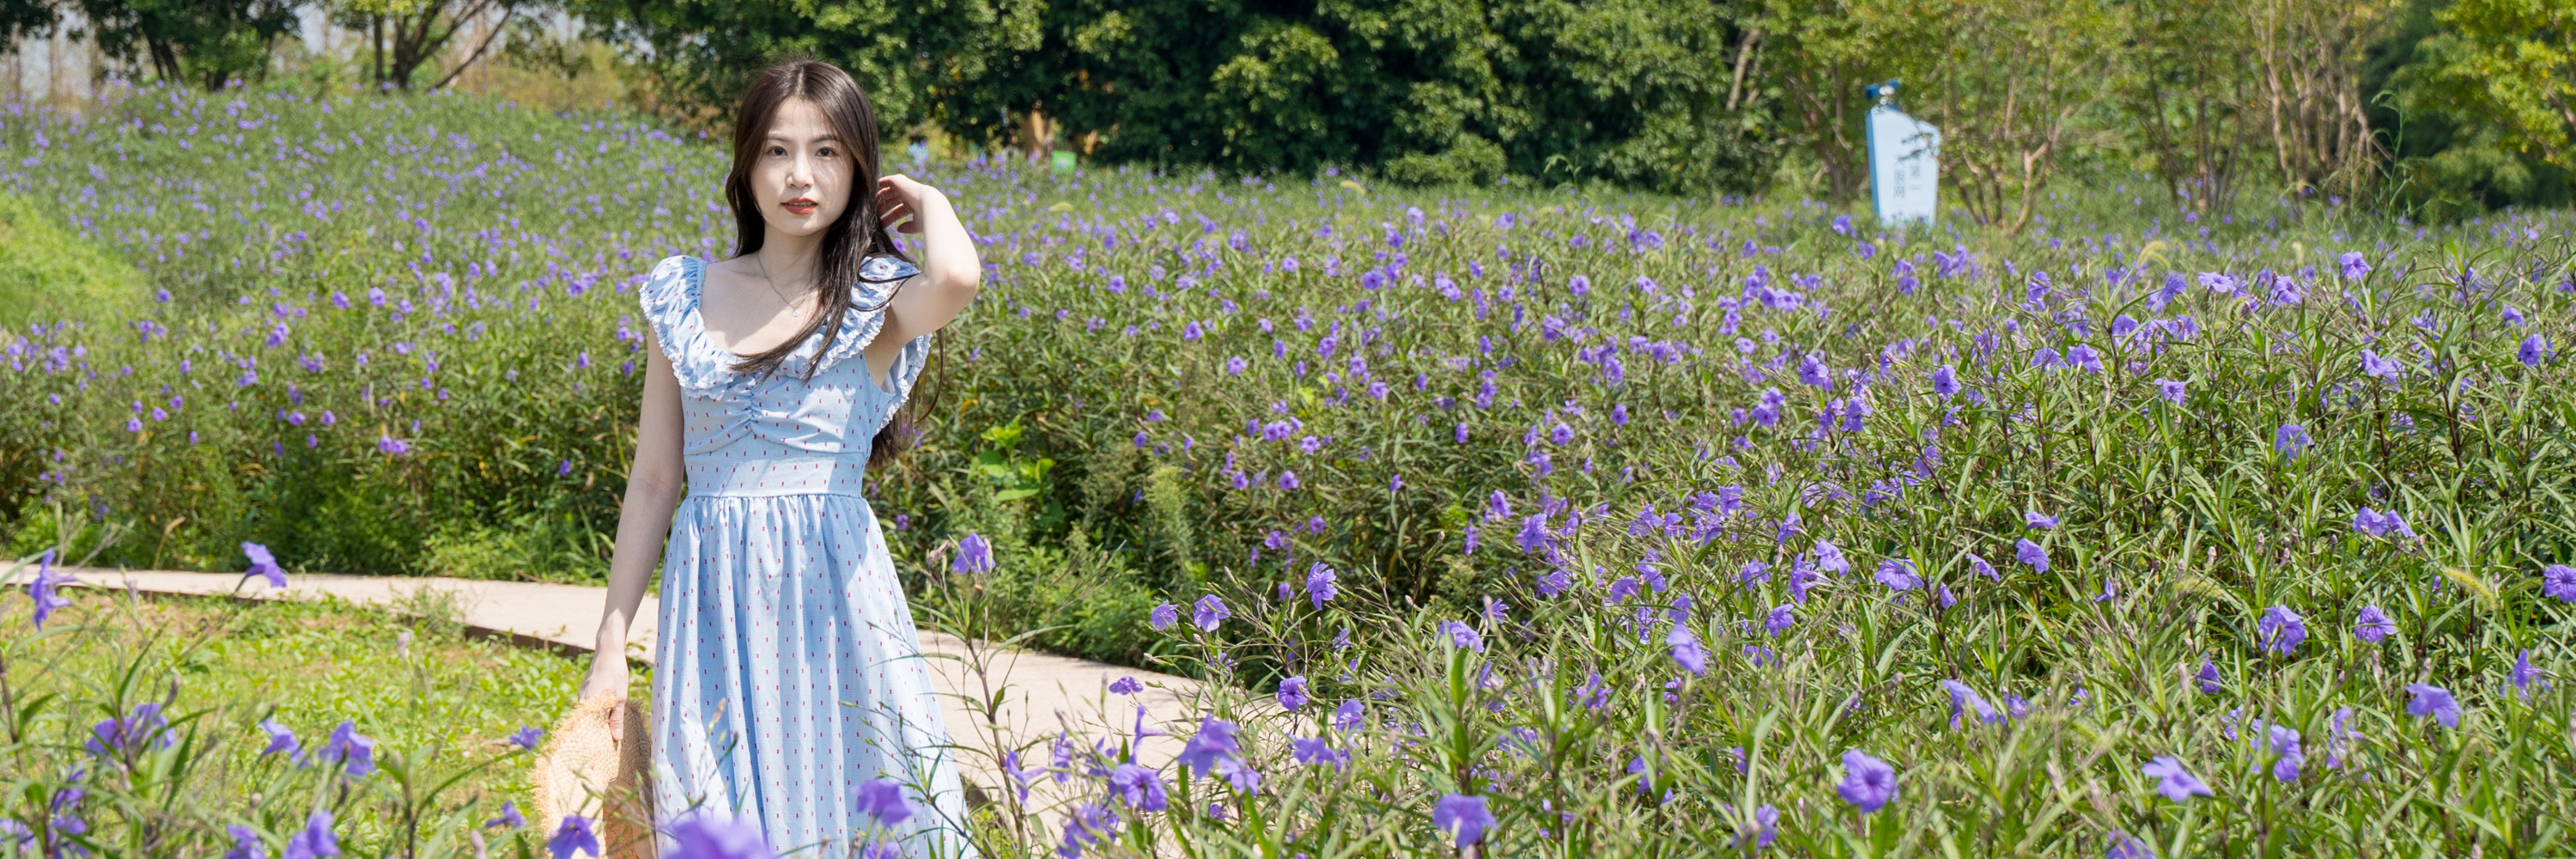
[(1038, 695)]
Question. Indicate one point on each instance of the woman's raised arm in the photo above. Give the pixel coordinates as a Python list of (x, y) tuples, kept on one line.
[(950, 269)]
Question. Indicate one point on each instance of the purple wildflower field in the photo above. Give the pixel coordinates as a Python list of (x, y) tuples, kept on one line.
[(1508, 522)]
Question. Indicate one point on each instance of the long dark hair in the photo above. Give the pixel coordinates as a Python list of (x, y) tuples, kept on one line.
[(851, 239)]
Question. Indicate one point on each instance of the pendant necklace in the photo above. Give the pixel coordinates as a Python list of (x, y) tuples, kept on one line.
[(793, 311)]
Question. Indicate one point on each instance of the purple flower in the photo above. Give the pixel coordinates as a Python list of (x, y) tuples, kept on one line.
[(2371, 625), (2355, 266), (2038, 521), (1963, 698), (1868, 783), (2523, 674), (1686, 649), (510, 817), (2378, 524), (2170, 390), (246, 843), (2030, 553), (1829, 558), (315, 839), (974, 555), (2208, 677), (45, 589), (2434, 701), (1945, 381), (574, 836), (1316, 751), (1138, 787), (2291, 440), (2285, 744), (2534, 350), (1125, 686), (1093, 823), (1463, 636), (1292, 693), (1164, 616), (1211, 611), (114, 735), (1781, 619), (1534, 536), (2381, 368), (2217, 282), (280, 739), (1319, 584), (527, 737), (355, 751), (1814, 373), (2281, 630), (1465, 818), (709, 836), (1898, 574), (2173, 781), (2338, 738), (2558, 581), (882, 799), (2122, 845), (263, 564), (1977, 564), (1215, 741), (1348, 716), (391, 446)]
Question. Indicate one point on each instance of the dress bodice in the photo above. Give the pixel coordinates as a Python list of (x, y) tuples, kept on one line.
[(782, 434)]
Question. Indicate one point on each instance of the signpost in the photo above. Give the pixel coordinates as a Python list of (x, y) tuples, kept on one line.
[(1904, 161)]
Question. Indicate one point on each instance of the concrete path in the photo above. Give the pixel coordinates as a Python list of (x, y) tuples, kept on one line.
[(1037, 695)]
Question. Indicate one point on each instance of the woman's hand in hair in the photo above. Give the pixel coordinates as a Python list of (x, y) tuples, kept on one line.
[(899, 202), (950, 269)]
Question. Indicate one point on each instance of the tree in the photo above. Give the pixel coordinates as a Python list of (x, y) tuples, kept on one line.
[(404, 35), (22, 18), (204, 42), (2008, 86), (1828, 50), (2309, 55), (2509, 65), (705, 51), (1424, 91), (2189, 91)]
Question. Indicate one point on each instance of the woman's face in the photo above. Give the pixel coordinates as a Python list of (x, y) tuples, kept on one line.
[(802, 172)]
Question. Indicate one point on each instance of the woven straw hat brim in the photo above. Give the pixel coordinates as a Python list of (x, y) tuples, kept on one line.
[(581, 770)]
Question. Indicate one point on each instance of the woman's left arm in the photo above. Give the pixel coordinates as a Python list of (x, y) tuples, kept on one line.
[(950, 269)]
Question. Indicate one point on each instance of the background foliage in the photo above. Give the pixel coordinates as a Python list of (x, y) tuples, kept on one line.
[(2431, 109)]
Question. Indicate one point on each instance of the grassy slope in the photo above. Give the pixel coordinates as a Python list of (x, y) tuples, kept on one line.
[(48, 273)]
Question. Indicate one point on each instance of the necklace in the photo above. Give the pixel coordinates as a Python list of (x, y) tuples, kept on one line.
[(793, 311)]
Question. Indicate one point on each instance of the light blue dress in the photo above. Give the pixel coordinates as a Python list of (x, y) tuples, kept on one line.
[(789, 669)]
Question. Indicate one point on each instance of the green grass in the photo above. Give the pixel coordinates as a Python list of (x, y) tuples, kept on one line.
[(49, 273), (427, 694)]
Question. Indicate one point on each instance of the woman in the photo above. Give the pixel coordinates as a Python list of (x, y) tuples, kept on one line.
[(789, 672)]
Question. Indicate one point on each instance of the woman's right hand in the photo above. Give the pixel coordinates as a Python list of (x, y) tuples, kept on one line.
[(608, 676)]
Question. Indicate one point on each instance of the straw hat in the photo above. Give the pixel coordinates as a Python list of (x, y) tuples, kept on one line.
[(581, 766)]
